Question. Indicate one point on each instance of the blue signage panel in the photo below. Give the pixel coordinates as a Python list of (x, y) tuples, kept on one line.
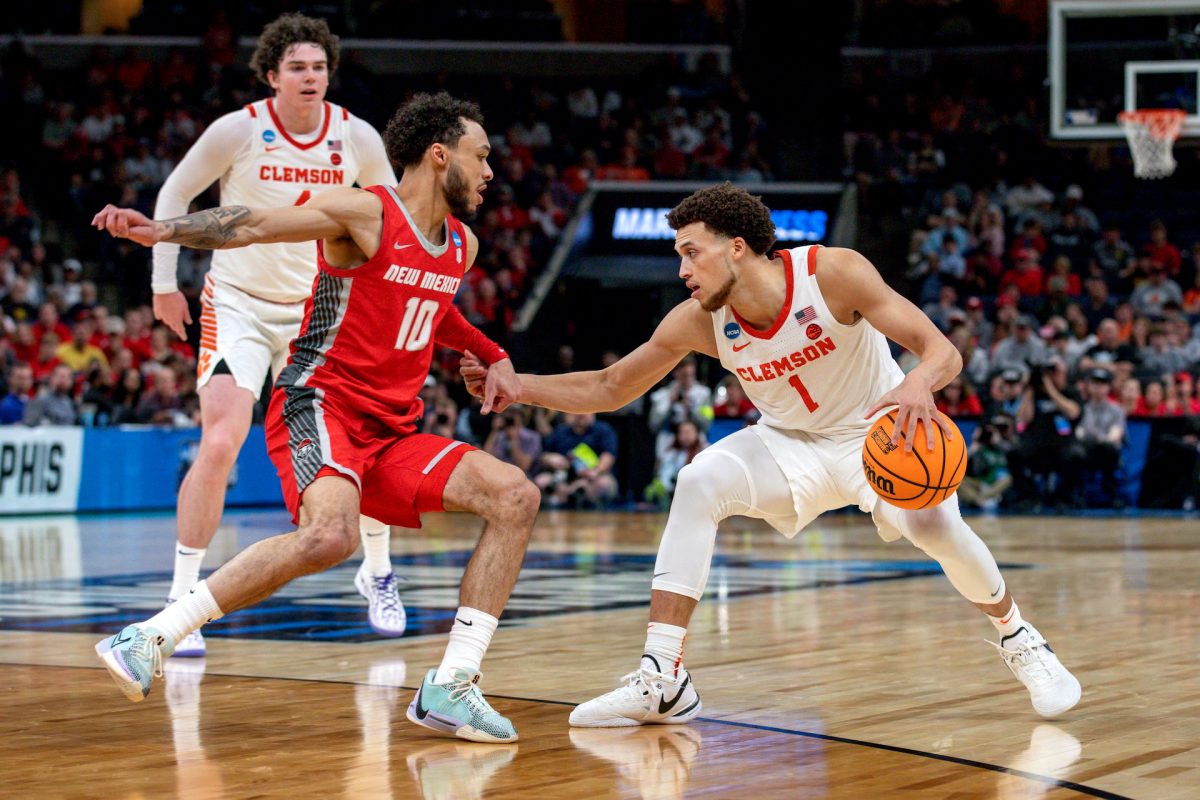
[(633, 222)]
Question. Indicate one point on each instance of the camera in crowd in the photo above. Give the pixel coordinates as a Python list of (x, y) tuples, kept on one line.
[(999, 431)]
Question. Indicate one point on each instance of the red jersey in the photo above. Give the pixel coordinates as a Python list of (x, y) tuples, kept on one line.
[(366, 341)]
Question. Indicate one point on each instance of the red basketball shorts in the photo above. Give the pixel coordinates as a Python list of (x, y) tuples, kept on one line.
[(399, 476)]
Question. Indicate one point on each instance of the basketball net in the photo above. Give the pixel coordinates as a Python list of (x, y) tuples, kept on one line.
[(1152, 133)]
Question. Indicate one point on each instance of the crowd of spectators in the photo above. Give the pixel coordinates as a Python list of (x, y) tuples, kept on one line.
[(1071, 319), (78, 343)]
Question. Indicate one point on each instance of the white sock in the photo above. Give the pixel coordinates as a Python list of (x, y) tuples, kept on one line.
[(376, 547), (664, 646), (1010, 623), (469, 640), (187, 569), (185, 615)]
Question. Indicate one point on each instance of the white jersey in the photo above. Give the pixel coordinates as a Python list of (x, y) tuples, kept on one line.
[(261, 165), (809, 372), (274, 169)]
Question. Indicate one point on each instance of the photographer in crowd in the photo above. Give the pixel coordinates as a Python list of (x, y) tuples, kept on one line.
[(1098, 438), (512, 441), (577, 462), (988, 475), (1048, 411)]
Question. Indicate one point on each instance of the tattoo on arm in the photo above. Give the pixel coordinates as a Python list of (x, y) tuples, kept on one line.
[(207, 230)]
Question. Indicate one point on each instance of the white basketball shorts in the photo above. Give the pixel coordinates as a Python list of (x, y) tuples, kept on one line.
[(823, 473), (249, 334)]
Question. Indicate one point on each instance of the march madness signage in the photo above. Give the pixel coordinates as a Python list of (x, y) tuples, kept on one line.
[(630, 219), (39, 468)]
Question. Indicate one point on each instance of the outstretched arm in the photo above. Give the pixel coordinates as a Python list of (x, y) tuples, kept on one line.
[(687, 328), (227, 227)]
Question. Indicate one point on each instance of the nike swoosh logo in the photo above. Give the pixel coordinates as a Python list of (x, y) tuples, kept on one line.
[(739, 348), (400, 246), (421, 712), (376, 533), (663, 706), (273, 149), (660, 574), (998, 588), (463, 621)]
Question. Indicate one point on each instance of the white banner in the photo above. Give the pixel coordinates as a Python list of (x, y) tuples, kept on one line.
[(39, 469)]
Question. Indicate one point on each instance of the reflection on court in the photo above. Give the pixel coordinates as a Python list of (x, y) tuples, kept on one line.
[(833, 665)]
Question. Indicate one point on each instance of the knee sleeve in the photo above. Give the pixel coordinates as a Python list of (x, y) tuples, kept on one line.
[(714, 486), (942, 533)]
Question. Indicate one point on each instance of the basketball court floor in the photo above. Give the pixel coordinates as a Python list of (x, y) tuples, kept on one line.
[(832, 665)]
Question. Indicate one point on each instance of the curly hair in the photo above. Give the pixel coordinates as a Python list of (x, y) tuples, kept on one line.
[(729, 211), (424, 120), (286, 32)]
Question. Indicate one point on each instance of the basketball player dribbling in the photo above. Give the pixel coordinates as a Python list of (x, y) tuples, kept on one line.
[(279, 151), (342, 425), (758, 315)]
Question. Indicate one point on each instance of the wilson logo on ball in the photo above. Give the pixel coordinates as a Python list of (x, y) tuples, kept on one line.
[(918, 478), (880, 483)]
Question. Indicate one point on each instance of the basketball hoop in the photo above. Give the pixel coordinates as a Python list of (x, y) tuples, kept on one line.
[(1152, 133)]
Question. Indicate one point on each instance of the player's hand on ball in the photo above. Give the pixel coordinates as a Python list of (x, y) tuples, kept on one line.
[(915, 405), (172, 310), (126, 223)]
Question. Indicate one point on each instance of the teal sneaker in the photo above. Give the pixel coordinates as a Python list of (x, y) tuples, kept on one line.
[(458, 709), (134, 658)]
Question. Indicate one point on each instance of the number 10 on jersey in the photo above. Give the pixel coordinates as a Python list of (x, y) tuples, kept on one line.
[(416, 328)]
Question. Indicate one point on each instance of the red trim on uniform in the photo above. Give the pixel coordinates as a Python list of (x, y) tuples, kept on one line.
[(302, 146), (250, 108), (812, 260), (783, 312), (345, 115)]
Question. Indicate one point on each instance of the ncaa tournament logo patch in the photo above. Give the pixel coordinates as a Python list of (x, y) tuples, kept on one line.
[(733, 330), (268, 136), (458, 246), (813, 331)]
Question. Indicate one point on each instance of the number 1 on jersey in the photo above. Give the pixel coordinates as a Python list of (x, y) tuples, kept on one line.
[(417, 326), (798, 385)]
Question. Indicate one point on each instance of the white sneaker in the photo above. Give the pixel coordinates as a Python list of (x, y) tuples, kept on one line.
[(647, 697), (192, 646), (1052, 688), (385, 610)]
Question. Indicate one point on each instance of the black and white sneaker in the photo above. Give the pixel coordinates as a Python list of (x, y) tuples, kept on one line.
[(1052, 688), (646, 697)]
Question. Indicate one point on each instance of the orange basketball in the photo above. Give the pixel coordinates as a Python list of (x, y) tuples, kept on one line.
[(920, 479)]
